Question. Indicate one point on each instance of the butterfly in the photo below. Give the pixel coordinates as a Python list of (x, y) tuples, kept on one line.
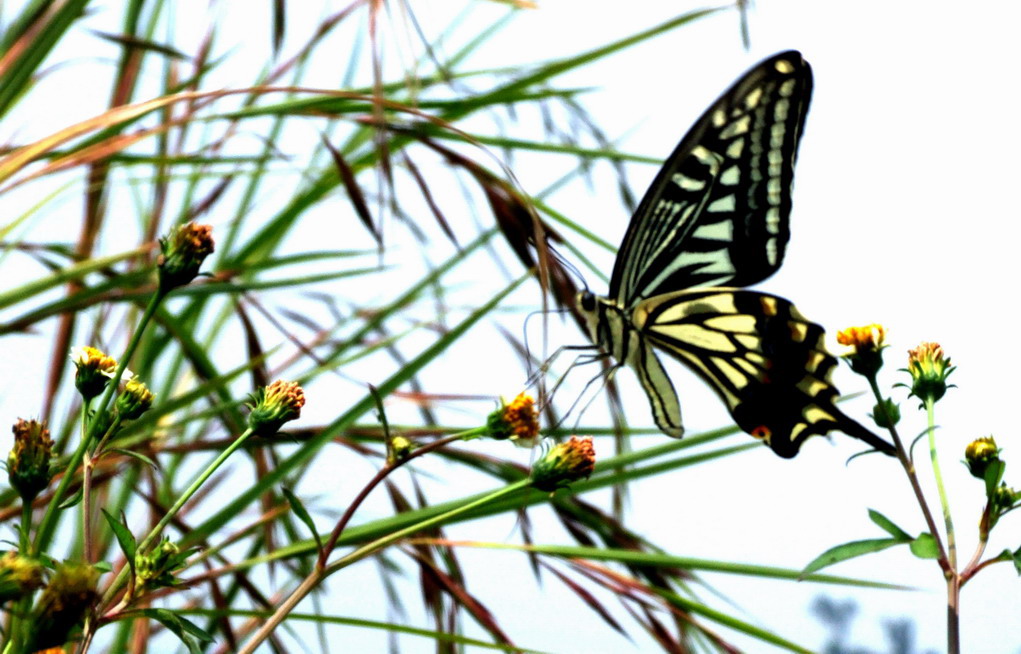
[(715, 219)]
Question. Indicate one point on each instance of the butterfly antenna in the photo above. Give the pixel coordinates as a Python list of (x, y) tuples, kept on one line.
[(570, 268)]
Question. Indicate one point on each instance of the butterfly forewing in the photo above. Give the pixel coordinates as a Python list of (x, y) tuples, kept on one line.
[(716, 214)]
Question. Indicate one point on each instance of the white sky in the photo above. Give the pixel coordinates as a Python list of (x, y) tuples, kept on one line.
[(903, 214)]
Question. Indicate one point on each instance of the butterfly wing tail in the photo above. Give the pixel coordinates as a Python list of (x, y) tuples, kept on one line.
[(666, 409), (862, 433)]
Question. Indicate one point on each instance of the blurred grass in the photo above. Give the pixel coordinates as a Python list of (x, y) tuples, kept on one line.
[(362, 232)]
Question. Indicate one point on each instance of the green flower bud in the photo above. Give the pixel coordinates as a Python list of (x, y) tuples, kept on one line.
[(979, 454), (886, 413), (134, 400), (156, 568)]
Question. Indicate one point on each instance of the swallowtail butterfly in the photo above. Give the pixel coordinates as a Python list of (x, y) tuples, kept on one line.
[(715, 218)]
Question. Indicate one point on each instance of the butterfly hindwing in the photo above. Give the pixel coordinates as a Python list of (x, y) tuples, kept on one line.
[(716, 214), (761, 356)]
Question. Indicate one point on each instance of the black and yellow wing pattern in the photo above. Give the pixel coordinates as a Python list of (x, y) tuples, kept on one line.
[(715, 219)]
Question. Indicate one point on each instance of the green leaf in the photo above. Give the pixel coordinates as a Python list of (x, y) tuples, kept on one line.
[(72, 501), (299, 510), (1014, 556), (924, 547), (849, 551), (137, 455), (887, 525), (124, 537), (994, 473), (189, 632)]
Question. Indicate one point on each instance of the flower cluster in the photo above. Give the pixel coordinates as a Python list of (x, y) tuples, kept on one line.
[(156, 568)]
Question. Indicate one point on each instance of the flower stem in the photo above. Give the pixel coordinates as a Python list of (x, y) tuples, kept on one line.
[(909, 469), (951, 544), (181, 501), (953, 579), (385, 471), (319, 574), (49, 522), (26, 526)]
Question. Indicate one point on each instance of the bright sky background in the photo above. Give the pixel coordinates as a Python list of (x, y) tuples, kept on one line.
[(904, 214)]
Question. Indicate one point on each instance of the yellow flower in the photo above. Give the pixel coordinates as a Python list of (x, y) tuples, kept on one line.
[(870, 336), (929, 369), (866, 343), (95, 369), (564, 463), (274, 405), (517, 420)]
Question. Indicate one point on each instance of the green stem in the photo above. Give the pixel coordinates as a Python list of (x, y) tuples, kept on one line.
[(953, 579), (25, 603), (191, 490), (318, 574), (26, 525), (49, 521), (951, 544), (909, 469)]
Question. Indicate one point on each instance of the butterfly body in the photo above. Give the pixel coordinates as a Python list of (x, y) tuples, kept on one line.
[(716, 219)]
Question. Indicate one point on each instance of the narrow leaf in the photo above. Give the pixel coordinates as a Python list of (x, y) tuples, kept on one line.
[(354, 192), (188, 632), (137, 455), (1014, 556), (124, 537), (887, 525), (849, 551), (71, 501), (303, 515)]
